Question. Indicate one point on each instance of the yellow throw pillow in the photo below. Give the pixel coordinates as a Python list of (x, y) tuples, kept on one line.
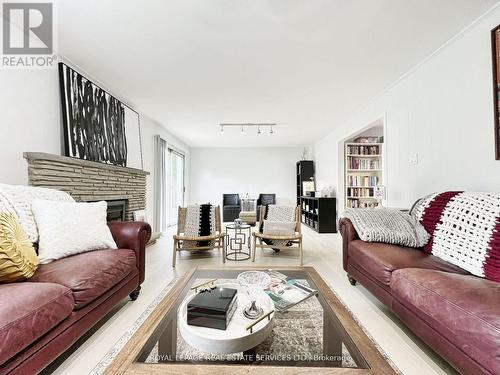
[(18, 259)]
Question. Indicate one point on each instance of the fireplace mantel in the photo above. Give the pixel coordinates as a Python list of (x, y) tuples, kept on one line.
[(88, 181)]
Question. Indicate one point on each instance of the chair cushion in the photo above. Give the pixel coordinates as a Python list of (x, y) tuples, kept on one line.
[(379, 260), (88, 275), (463, 308), (28, 311)]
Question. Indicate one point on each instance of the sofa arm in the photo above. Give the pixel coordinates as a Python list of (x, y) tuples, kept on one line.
[(132, 235), (348, 234)]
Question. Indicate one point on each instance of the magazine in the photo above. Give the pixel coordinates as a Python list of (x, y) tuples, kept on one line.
[(287, 292)]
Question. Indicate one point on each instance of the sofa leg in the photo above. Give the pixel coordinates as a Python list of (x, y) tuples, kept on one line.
[(135, 293), (352, 280)]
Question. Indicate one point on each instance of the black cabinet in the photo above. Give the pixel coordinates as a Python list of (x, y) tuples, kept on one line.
[(319, 213)]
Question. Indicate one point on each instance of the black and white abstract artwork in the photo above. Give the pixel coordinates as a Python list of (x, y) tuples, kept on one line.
[(96, 125)]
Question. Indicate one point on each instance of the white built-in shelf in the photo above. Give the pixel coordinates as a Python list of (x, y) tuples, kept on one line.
[(360, 176)]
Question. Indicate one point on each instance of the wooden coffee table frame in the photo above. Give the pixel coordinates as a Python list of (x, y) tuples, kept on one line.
[(353, 337)]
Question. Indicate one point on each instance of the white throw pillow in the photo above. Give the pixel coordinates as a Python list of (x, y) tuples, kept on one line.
[(67, 228)]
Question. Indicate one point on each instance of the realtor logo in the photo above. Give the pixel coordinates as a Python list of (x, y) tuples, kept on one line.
[(27, 34)]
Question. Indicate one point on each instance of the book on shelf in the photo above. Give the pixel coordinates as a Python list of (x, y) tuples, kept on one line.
[(362, 163), (355, 203), (359, 192), (362, 181), (363, 150)]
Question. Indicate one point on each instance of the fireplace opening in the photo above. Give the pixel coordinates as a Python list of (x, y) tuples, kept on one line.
[(116, 210)]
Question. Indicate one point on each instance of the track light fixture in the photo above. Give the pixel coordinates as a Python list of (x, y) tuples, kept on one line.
[(243, 126)]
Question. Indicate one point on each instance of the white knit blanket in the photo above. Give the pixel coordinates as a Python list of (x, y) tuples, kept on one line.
[(197, 225), (16, 200), (465, 229), (280, 221), (387, 226)]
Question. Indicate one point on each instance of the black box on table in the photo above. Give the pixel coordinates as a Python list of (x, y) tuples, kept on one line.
[(212, 309)]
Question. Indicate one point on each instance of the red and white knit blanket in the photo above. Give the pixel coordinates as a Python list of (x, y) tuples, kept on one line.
[(464, 229)]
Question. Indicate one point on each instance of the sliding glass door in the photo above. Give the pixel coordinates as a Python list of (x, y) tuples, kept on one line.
[(176, 188)]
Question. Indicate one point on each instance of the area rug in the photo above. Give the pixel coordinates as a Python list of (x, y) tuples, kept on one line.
[(298, 333)]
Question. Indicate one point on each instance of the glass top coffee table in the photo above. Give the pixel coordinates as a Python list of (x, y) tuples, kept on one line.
[(318, 334)]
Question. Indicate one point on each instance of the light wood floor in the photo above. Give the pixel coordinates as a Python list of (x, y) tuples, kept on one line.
[(323, 251)]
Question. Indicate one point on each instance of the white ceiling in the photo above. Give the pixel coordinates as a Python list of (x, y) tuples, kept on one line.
[(304, 64)]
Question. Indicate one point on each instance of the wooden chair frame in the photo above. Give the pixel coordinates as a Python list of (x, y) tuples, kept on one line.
[(295, 239), (179, 238)]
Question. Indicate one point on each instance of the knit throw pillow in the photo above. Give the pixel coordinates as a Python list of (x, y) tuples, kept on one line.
[(18, 260), (464, 229)]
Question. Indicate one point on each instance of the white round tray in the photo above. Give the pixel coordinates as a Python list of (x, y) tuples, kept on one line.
[(235, 338)]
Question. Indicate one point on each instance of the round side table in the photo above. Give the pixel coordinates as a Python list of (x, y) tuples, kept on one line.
[(237, 236)]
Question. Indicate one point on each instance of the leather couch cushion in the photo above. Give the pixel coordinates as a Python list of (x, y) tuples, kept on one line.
[(463, 308), (379, 260), (28, 311), (88, 275)]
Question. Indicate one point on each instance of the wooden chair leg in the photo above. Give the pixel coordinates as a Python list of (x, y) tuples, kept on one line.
[(223, 242), (301, 253), (174, 253), (253, 248)]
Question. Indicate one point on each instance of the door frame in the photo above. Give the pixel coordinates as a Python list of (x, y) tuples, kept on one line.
[(173, 150)]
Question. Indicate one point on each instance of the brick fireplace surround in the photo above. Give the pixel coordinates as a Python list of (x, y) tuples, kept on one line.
[(88, 181)]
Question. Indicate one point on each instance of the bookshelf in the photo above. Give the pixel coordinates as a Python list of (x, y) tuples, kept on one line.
[(363, 172), (318, 213), (305, 172)]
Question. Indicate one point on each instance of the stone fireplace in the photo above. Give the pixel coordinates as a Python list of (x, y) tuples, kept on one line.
[(86, 181)]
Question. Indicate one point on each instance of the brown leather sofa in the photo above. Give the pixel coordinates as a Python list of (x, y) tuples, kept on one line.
[(455, 313), (42, 317)]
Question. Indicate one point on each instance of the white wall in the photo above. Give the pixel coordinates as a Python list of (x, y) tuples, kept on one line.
[(215, 171), (443, 111), (30, 120)]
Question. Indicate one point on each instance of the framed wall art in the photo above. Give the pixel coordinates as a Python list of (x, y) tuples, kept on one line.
[(96, 125)]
